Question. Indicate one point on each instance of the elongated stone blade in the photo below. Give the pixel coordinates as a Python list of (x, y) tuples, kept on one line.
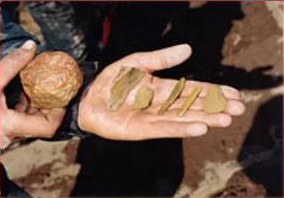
[(189, 101), (124, 83), (173, 96)]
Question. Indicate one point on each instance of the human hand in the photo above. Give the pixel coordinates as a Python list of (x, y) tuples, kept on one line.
[(24, 121), (129, 124)]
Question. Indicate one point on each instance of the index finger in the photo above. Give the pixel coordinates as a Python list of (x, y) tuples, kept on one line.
[(13, 63)]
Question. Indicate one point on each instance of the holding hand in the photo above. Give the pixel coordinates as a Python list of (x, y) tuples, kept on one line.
[(129, 124), (24, 121)]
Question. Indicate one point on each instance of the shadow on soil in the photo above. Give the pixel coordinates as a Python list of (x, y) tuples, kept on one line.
[(145, 168), (266, 135)]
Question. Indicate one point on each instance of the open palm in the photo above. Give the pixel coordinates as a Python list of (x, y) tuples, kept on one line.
[(129, 124)]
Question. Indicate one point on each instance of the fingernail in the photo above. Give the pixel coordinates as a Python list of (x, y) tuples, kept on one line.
[(28, 45)]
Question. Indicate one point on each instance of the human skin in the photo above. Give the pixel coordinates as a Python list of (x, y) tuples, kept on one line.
[(129, 124)]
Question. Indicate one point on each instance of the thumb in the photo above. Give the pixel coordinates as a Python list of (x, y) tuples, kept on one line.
[(13, 63), (159, 59)]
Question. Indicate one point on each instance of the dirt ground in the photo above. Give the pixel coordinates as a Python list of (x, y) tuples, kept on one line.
[(238, 44)]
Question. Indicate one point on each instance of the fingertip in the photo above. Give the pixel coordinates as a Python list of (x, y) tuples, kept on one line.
[(185, 49), (197, 129), (185, 46), (239, 109), (225, 120), (235, 108), (231, 92)]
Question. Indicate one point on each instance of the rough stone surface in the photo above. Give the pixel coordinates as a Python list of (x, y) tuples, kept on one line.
[(51, 80)]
